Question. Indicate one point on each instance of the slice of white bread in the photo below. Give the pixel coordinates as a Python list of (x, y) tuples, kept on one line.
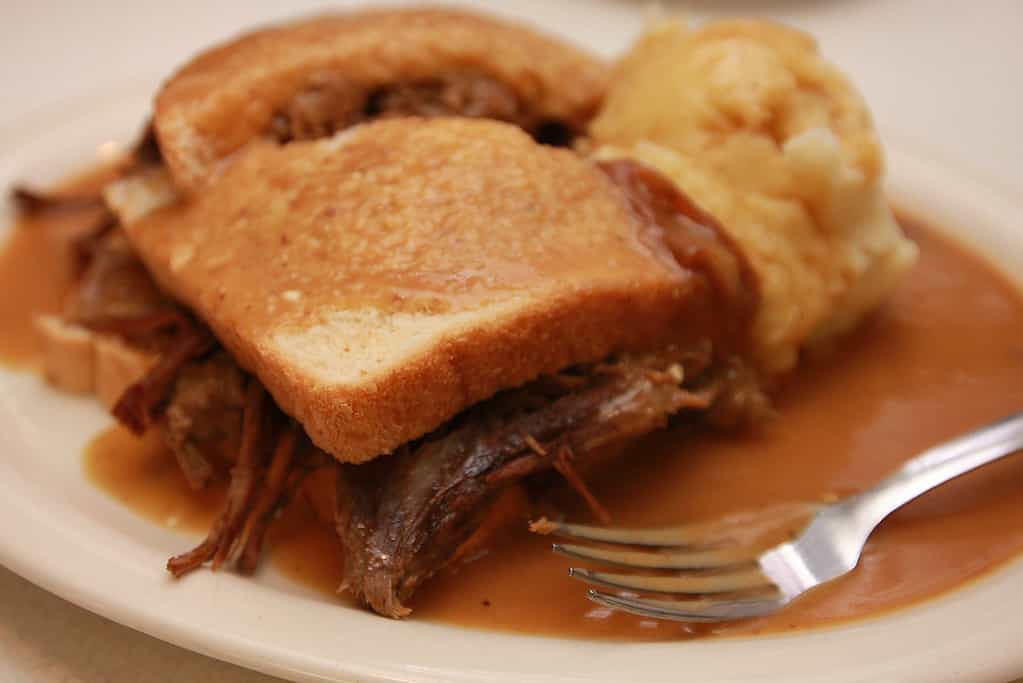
[(229, 95), (67, 352), (380, 281), (80, 361)]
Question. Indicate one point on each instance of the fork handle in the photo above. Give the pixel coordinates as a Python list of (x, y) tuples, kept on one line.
[(935, 466)]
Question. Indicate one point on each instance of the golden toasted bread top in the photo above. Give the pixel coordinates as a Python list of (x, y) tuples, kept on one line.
[(382, 280), (230, 94)]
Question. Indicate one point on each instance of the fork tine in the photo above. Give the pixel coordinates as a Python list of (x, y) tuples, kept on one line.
[(707, 559), (689, 610), (726, 530), (729, 582), (694, 535)]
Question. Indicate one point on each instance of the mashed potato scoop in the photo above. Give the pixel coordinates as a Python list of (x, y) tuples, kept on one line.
[(760, 130)]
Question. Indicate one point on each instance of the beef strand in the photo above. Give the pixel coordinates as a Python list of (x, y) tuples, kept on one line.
[(293, 460), (562, 462), (245, 477), (280, 483), (32, 202)]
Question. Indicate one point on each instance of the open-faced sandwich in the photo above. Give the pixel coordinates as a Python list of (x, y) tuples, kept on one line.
[(398, 247)]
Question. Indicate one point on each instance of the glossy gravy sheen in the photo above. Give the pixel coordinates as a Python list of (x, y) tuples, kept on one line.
[(945, 355)]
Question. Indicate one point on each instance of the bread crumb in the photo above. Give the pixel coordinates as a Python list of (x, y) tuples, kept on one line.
[(542, 526)]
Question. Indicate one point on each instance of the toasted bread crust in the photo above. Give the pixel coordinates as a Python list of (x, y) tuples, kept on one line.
[(227, 96), (383, 280)]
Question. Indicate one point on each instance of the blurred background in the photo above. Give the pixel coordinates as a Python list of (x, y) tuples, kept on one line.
[(942, 75)]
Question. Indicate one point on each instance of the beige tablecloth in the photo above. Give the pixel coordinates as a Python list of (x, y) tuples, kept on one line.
[(44, 639)]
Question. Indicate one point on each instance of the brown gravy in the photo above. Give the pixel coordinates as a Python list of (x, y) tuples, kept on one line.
[(945, 355), (36, 267), (142, 474)]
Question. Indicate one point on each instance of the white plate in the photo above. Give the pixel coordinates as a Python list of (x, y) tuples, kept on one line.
[(61, 533)]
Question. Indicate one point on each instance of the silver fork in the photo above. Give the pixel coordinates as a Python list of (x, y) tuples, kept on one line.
[(712, 581)]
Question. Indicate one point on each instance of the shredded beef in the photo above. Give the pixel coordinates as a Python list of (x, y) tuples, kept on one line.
[(202, 422), (403, 516), (143, 402), (29, 201), (324, 107), (245, 477), (196, 402), (114, 285), (331, 104), (260, 486), (468, 95)]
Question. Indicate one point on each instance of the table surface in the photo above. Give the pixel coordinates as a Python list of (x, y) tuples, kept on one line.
[(921, 64)]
